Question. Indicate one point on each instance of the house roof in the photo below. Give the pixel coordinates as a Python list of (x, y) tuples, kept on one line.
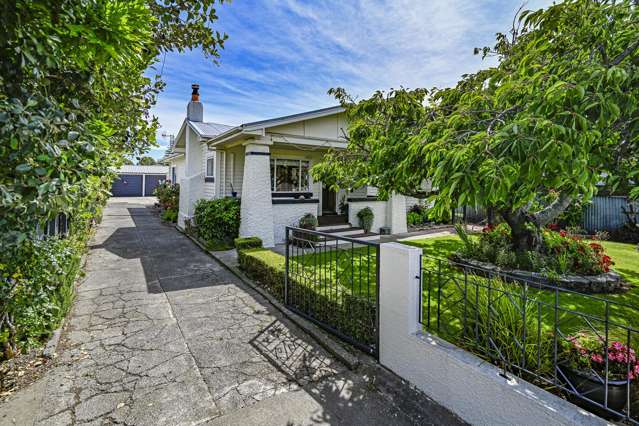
[(209, 130), (279, 121), (151, 170)]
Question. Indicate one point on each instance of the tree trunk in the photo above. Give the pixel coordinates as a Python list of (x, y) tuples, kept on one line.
[(525, 234), (526, 227)]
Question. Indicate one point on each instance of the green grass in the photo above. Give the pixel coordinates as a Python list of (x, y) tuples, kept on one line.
[(354, 271), (623, 309)]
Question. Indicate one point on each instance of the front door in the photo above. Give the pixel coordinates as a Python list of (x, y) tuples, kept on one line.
[(329, 203)]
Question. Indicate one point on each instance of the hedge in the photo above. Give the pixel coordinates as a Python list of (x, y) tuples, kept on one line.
[(266, 267), (244, 243), (352, 315)]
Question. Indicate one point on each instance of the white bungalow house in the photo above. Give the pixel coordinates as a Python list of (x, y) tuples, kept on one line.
[(266, 164)]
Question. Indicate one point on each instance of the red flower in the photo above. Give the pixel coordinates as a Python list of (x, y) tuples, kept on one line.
[(563, 233), (553, 226)]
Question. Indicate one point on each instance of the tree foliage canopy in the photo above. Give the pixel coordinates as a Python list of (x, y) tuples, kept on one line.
[(74, 98), (558, 114)]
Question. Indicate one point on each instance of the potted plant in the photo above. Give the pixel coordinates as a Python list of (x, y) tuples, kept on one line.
[(584, 367), (365, 217), (308, 221), (233, 191)]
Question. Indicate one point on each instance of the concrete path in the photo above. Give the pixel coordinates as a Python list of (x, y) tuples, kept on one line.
[(161, 334)]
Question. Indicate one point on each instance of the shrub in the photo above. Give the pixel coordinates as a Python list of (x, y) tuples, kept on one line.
[(244, 243), (308, 221), (496, 327), (37, 295), (414, 219), (168, 195), (266, 267), (170, 215), (560, 252), (218, 221), (366, 218)]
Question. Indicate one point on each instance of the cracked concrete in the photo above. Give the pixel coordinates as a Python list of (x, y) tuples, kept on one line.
[(161, 334)]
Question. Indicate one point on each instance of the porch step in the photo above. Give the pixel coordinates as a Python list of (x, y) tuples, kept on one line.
[(360, 235), (332, 220), (344, 232), (328, 228)]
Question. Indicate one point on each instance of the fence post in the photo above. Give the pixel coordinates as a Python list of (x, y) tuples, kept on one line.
[(286, 242), (399, 295)]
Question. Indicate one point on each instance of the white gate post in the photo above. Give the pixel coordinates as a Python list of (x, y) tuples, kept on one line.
[(398, 297)]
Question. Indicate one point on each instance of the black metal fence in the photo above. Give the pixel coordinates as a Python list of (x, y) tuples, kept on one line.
[(580, 346), (333, 281)]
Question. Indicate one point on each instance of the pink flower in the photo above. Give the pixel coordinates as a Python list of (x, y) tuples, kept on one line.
[(597, 358)]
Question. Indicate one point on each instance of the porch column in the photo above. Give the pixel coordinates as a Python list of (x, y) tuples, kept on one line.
[(397, 213), (257, 207)]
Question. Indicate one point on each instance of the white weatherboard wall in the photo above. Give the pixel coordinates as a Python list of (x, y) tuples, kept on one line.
[(289, 215), (467, 385), (256, 209)]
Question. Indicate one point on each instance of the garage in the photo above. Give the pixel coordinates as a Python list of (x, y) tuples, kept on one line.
[(138, 181)]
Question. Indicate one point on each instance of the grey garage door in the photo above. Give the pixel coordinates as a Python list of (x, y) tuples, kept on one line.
[(127, 186), (151, 182)]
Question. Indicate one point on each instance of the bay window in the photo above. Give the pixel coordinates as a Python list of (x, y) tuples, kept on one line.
[(289, 175)]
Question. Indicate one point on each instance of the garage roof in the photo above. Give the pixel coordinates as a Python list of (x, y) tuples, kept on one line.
[(143, 170)]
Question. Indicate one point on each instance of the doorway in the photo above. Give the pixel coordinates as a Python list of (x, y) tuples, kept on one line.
[(329, 201)]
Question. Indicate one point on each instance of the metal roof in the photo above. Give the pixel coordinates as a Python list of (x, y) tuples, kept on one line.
[(140, 170), (209, 130)]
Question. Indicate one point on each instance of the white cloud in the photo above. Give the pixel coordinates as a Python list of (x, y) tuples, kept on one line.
[(283, 55)]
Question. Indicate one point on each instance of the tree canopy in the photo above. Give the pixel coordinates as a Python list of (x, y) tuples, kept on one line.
[(555, 117), (74, 97), (147, 161)]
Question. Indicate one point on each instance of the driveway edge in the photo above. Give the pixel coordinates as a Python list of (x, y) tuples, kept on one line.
[(328, 343)]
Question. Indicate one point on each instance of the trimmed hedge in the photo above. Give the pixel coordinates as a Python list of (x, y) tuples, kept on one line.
[(352, 315), (244, 243), (266, 267)]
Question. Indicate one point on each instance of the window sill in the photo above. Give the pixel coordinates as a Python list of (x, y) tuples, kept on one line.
[(292, 194), (295, 201)]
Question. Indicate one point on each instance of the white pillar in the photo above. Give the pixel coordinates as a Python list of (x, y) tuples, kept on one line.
[(257, 207), (396, 213), (398, 294)]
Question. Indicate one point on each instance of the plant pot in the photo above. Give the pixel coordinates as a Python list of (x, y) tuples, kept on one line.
[(594, 388), (234, 194)]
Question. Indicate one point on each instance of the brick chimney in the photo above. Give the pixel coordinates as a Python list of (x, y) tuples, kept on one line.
[(195, 110)]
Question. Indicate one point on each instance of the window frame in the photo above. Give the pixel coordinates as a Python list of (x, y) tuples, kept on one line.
[(206, 171), (273, 167)]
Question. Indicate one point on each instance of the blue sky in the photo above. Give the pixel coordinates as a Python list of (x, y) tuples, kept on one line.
[(283, 55)]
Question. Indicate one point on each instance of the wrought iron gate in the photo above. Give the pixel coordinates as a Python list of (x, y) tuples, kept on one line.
[(334, 282)]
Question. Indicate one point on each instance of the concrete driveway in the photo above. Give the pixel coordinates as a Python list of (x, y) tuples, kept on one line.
[(161, 334)]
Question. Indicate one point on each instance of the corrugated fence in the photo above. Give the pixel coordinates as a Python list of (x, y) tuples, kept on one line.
[(606, 213)]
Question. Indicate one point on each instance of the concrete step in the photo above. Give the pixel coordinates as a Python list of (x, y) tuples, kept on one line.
[(345, 232), (327, 228)]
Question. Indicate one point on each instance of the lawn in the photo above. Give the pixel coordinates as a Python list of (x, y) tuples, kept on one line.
[(623, 308)]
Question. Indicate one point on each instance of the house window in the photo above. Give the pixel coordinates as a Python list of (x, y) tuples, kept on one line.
[(173, 174), (289, 175), (210, 167)]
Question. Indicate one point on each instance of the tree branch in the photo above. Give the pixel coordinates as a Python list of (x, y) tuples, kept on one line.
[(549, 213)]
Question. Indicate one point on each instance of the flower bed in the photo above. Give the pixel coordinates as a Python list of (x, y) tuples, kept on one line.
[(563, 260)]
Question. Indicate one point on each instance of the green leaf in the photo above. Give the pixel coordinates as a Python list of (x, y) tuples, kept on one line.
[(23, 168)]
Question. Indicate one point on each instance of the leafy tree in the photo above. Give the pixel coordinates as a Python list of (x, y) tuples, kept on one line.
[(74, 98), (74, 105), (557, 115), (147, 161)]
